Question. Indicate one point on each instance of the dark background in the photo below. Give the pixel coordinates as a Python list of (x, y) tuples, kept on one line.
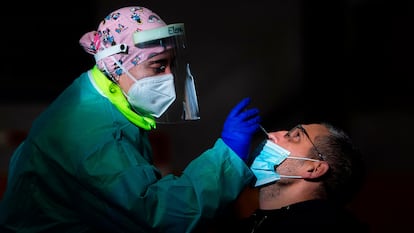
[(348, 62)]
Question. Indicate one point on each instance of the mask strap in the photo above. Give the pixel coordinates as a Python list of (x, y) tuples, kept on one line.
[(301, 158), (291, 177), (106, 52), (107, 73), (123, 68)]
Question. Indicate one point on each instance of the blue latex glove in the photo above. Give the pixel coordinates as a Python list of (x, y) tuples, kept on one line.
[(239, 128)]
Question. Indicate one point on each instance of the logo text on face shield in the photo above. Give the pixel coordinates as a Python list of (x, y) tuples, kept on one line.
[(175, 30)]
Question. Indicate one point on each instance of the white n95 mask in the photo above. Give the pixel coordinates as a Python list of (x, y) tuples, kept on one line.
[(268, 158), (152, 95)]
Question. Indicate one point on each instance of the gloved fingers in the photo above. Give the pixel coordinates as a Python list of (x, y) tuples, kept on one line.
[(255, 121), (250, 126), (239, 107), (248, 114), (248, 117)]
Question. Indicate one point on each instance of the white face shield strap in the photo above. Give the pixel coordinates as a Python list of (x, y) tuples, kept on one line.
[(119, 48)]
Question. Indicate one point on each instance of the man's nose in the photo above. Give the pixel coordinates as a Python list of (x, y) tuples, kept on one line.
[(277, 136)]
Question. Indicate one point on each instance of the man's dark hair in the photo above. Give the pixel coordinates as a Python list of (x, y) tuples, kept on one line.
[(346, 173)]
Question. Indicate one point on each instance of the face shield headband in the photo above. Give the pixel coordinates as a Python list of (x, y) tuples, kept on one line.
[(172, 37)]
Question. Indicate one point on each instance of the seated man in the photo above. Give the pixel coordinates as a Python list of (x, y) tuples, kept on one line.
[(305, 178)]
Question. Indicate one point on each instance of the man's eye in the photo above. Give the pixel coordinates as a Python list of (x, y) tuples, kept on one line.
[(293, 135), (296, 134)]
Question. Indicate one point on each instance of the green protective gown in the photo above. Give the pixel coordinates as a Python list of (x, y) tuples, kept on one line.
[(86, 167)]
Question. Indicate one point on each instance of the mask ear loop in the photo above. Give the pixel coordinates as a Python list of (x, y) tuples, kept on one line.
[(108, 52), (123, 68), (302, 158), (127, 73)]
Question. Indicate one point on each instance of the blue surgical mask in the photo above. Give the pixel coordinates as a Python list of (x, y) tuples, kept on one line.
[(270, 155)]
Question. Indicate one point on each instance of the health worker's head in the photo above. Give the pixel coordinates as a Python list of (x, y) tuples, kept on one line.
[(147, 58), (112, 44)]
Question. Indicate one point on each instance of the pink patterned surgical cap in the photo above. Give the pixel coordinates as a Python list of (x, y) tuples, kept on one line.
[(118, 27)]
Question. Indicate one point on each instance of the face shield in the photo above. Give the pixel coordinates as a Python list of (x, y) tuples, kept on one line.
[(172, 38)]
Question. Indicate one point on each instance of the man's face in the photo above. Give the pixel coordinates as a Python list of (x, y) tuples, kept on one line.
[(296, 140), (299, 141)]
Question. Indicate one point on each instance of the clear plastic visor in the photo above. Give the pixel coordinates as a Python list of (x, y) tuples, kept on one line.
[(172, 38)]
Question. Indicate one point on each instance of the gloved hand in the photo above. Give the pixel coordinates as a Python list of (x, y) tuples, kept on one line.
[(239, 127)]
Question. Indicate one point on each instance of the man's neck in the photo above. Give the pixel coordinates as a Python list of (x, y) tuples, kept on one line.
[(277, 196)]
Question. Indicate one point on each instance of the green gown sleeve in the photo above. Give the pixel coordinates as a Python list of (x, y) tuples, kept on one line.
[(84, 167)]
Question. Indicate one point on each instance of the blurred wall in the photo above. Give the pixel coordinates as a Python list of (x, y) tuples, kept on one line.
[(347, 62)]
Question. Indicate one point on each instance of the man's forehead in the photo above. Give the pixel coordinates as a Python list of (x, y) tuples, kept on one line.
[(315, 130)]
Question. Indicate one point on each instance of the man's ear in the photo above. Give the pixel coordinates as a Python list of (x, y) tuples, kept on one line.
[(314, 170)]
